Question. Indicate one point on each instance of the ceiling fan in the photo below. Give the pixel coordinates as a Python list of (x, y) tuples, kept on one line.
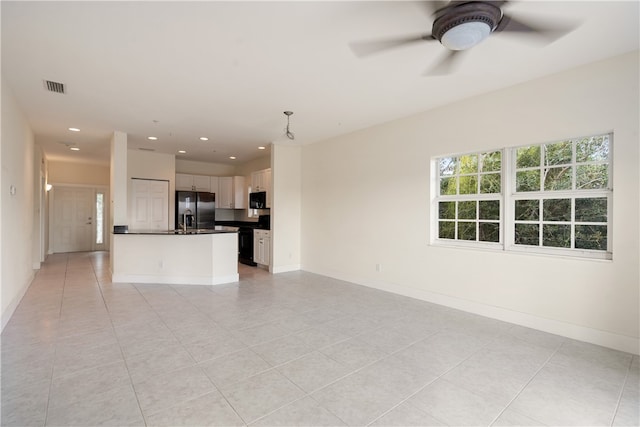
[(460, 25)]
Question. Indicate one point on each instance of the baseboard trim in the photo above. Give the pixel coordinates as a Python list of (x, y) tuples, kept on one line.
[(581, 333), (174, 280), (286, 268), (11, 308)]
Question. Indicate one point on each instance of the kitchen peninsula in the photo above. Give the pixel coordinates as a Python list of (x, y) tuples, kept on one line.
[(197, 257)]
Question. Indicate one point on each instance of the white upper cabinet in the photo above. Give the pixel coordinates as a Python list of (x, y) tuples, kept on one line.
[(186, 182), (202, 183), (231, 191), (215, 186), (261, 181)]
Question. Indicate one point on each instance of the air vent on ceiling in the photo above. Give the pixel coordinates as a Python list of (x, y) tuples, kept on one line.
[(54, 86), (146, 149)]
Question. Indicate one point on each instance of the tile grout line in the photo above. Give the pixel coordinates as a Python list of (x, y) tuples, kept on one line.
[(106, 306), (527, 383), (624, 384), (196, 364), (55, 351)]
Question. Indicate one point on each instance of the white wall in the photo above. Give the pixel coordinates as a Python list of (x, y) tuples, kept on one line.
[(366, 200), (286, 207), (203, 168), (78, 173), (17, 221), (148, 165)]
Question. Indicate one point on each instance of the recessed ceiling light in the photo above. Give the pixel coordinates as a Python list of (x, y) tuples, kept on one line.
[(232, 157), (152, 138), (74, 129), (182, 152), (74, 149), (261, 148), (204, 138)]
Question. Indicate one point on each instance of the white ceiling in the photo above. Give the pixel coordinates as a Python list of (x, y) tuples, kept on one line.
[(228, 70)]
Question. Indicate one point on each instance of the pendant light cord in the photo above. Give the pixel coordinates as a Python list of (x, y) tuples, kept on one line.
[(289, 134)]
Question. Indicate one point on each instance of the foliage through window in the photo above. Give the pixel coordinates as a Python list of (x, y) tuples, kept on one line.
[(557, 197), (469, 202)]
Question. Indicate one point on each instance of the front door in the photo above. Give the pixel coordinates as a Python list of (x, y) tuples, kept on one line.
[(73, 219)]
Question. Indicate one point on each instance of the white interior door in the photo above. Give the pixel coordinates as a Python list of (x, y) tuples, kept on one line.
[(149, 205), (73, 219)]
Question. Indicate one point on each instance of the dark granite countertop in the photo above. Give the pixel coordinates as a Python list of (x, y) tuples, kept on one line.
[(190, 232)]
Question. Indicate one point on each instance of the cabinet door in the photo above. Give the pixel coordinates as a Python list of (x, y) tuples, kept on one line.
[(239, 193), (266, 256), (267, 185), (225, 188), (215, 188), (184, 182), (256, 181), (202, 183)]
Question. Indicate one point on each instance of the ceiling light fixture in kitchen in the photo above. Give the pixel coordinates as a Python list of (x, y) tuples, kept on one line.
[(262, 148), (74, 129), (289, 134), (232, 157), (204, 138), (74, 149), (182, 152), (152, 138)]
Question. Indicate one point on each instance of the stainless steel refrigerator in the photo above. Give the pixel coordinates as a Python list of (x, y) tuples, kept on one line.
[(197, 209)]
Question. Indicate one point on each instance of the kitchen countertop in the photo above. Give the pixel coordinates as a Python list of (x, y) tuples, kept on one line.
[(220, 229)]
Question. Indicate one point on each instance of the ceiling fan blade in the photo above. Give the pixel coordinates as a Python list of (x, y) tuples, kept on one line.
[(446, 65), (366, 48), (433, 6), (546, 32)]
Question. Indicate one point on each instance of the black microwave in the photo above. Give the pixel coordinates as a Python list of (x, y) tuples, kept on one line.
[(258, 200)]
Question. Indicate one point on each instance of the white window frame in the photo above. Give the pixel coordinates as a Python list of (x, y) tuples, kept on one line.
[(468, 197), (508, 197)]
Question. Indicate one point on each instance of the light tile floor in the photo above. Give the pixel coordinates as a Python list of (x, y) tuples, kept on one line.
[(293, 349)]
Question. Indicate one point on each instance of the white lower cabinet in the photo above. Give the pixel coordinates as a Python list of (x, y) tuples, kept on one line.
[(261, 247)]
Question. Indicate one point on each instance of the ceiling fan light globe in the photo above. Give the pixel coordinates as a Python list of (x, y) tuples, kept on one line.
[(465, 35)]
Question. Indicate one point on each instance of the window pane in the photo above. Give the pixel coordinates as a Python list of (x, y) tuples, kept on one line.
[(490, 183), (466, 231), (527, 234), (591, 210), (591, 237), (469, 185), (528, 157), (592, 176), (467, 210), (492, 162), (447, 230), (528, 180), (557, 179), (448, 166), (558, 236), (447, 210), (448, 186), (469, 164), (593, 149), (527, 210), (490, 209), (489, 232), (556, 210), (99, 218), (558, 153)]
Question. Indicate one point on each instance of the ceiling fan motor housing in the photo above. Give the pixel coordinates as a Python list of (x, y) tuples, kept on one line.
[(464, 36)]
